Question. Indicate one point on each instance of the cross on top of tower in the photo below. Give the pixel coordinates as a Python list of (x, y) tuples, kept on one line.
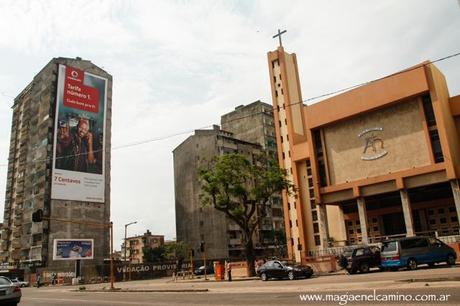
[(279, 36)]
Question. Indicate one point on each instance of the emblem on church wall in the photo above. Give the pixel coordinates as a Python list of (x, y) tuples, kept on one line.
[(373, 144)]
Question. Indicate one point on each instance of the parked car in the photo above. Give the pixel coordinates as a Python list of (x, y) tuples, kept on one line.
[(10, 294), (279, 269), (20, 283), (414, 251), (360, 259), (200, 270)]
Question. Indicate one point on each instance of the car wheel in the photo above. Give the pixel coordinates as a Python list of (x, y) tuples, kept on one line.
[(364, 267), (431, 264), (291, 275), (351, 271), (451, 260), (263, 277), (411, 264)]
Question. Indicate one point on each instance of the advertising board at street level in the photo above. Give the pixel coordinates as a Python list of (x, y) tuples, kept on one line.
[(73, 249)]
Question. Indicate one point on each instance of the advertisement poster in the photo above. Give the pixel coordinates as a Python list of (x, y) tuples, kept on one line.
[(79, 138), (71, 249)]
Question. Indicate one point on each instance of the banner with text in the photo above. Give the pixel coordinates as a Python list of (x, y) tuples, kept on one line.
[(71, 249), (79, 137)]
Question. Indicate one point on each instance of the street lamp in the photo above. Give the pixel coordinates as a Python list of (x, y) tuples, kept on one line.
[(126, 229)]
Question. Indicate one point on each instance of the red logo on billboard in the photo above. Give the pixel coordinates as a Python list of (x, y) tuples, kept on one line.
[(76, 94)]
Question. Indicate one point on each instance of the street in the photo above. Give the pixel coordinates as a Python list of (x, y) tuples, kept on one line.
[(439, 281)]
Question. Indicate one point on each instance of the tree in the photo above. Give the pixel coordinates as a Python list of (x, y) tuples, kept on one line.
[(241, 188), (168, 252), (154, 255)]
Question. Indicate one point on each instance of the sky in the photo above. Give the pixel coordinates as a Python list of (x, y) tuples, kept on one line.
[(179, 65)]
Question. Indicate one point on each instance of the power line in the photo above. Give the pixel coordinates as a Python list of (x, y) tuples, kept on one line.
[(142, 142)]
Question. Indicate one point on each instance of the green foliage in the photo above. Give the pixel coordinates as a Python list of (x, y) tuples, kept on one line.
[(241, 188), (154, 255), (168, 252)]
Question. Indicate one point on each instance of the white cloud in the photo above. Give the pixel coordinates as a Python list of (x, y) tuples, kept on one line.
[(179, 65)]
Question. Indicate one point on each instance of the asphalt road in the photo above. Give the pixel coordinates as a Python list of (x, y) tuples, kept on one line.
[(438, 281)]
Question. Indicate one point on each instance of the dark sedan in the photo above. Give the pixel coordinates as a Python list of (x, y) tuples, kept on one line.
[(200, 270), (279, 269)]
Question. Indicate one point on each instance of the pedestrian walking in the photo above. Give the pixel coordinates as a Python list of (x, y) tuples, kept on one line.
[(37, 280), (228, 267)]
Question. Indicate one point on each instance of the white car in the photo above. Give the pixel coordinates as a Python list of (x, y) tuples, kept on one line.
[(10, 294), (20, 283)]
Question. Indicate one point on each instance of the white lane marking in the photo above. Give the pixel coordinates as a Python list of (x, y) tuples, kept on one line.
[(85, 301)]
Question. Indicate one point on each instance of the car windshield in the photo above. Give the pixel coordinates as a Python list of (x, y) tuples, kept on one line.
[(348, 252), (4, 281), (389, 246)]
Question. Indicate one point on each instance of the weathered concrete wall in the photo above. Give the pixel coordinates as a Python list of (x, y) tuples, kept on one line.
[(402, 135)]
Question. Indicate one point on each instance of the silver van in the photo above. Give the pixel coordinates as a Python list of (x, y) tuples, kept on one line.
[(413, 251)]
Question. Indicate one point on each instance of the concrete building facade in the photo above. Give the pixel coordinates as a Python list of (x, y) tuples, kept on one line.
[(27, 244), (136, 245), (195, 223), (378, 161), (255, 123)]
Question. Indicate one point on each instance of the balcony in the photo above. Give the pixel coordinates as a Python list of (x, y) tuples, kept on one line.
[(4, 246), (233, 227), (16, 244), (235, 241)]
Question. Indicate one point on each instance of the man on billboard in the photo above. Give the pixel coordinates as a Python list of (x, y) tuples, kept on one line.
[(75, 147)]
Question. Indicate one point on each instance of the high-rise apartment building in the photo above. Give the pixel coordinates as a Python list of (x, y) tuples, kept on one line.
[(249, 129), (59, 163), (255, 123), (195, 223)]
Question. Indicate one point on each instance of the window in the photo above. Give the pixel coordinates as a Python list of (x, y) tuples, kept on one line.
[(314, 216), (315, 228), (436, 146), (317, 240), (428, 109)]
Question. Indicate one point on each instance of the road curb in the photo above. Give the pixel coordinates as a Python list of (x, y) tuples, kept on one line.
[(142, 290)]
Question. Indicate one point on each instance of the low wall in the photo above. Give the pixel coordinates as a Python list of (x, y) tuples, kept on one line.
[(321, 264)]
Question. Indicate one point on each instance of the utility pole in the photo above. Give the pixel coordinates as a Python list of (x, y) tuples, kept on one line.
[(124, 262)]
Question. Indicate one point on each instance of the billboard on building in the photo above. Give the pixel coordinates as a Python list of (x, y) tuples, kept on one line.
[(79, 138), (71, 249)]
